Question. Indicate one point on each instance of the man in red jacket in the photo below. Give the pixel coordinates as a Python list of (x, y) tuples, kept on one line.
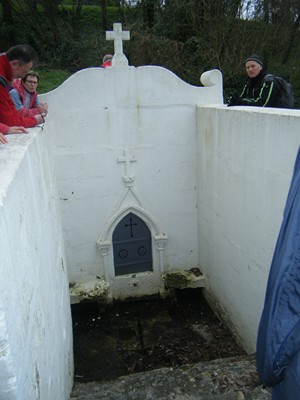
[(14, 64)]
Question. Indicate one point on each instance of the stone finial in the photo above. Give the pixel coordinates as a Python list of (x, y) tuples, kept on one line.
[(117, 35), (212, 78)]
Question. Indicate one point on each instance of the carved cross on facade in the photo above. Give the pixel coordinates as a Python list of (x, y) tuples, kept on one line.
[(117, 35), (127, 159)]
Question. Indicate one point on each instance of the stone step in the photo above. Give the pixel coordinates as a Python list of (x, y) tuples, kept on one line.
[(225, 379)]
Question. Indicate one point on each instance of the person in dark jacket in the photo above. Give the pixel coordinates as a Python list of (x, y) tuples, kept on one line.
[(261, 88), (278, 337)]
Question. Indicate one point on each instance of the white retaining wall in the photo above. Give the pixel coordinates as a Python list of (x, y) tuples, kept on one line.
[(245, 163), (147, 114), (36, 355), (210, 182)]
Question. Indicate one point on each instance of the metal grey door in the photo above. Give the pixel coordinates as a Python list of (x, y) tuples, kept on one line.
[(132, 246)]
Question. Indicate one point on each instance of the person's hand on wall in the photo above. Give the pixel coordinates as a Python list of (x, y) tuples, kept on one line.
[(233, 100), (17, 129), (3, 138), (40, 118), (12, 130), (43, 107)]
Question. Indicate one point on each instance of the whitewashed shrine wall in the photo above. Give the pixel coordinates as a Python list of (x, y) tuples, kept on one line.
[(212, 179), (99, 115), (245, 163), (36, 354)]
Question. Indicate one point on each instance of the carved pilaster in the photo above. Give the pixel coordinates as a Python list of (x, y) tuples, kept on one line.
[(161, 241)]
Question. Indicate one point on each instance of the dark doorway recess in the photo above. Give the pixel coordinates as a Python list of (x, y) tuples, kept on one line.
[(132, 246), (147, 334)]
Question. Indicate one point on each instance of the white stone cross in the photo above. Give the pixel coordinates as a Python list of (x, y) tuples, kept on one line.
[(117, 35), (127, 159)]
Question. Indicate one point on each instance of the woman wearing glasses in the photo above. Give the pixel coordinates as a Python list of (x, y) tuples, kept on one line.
[(25, 97)]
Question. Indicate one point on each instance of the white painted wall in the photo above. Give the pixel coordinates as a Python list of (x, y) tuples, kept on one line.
[(245, 162), (209, 181), (36, 355), (96, 116)]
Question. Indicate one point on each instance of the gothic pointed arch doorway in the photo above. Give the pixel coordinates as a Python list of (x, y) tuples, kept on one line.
[(132, 246)]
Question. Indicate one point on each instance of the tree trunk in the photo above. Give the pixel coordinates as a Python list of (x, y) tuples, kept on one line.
[(266, 12), (104, 14)]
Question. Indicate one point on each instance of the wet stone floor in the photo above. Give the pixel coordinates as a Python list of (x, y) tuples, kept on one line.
[(143, 335)]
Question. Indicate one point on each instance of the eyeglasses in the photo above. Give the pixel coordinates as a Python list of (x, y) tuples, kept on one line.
[(32, 82)]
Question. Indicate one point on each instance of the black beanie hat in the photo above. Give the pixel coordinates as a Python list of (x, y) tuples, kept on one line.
[(255, 57)]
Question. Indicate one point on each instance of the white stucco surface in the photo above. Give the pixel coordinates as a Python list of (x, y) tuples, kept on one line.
[(210, 183), (245, 163), (36, 355), (99, 116)]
